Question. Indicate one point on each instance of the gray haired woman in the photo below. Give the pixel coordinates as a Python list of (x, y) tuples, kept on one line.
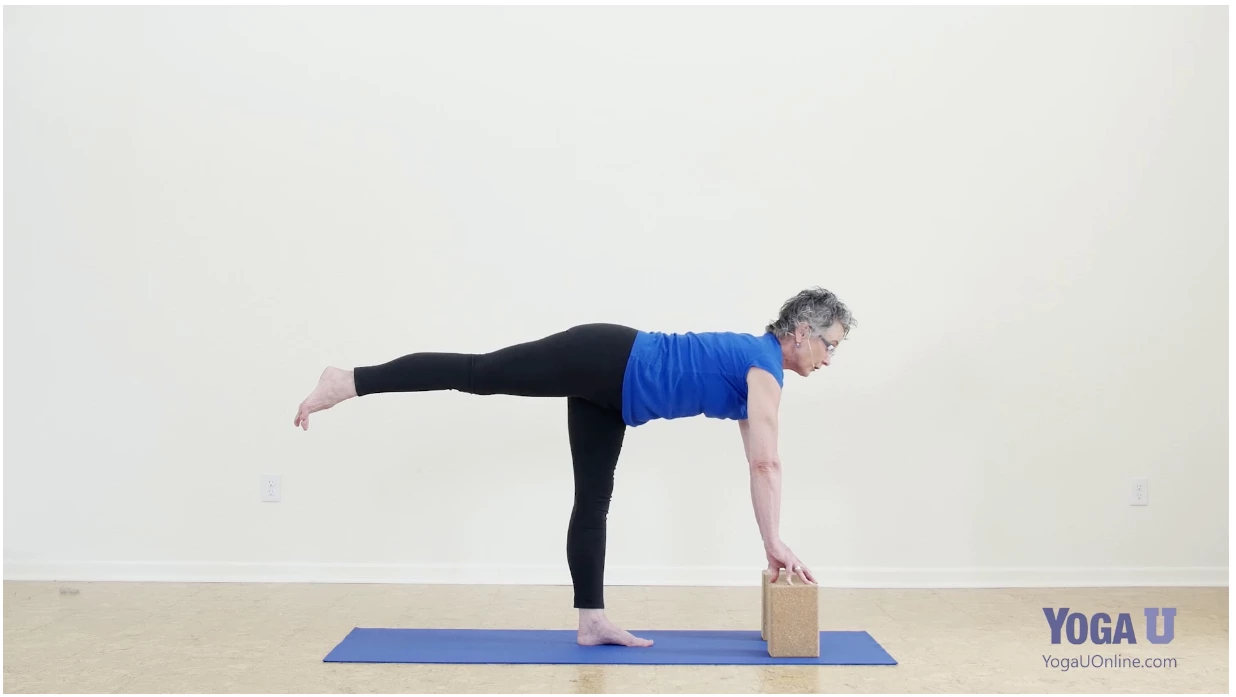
[(614, 377)]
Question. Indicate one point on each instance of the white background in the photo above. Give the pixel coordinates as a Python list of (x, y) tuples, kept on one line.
[(1024, 207)]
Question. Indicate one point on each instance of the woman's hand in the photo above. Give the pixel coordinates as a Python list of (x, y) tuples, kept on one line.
[(780, 557)]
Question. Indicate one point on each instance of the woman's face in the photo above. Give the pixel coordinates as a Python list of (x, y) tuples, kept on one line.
[(815, 352)]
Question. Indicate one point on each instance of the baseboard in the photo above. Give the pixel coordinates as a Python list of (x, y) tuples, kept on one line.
[(257, 572)]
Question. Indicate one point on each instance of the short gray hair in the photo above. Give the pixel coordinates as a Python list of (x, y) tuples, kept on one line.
[(817, 307)]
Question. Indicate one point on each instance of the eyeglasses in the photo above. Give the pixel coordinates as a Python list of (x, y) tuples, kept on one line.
[(831, 349)]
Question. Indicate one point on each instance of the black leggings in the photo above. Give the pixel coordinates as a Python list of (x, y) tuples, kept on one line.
[(586, 365)]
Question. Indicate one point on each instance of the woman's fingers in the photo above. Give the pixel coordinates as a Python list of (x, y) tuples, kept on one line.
[(789, 569), (797, 568), (781, 557), (804, 573)]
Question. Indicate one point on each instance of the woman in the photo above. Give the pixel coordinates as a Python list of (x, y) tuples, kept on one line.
[(613, 377)]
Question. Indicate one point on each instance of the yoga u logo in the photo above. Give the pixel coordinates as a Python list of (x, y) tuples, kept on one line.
[(1169, 625)]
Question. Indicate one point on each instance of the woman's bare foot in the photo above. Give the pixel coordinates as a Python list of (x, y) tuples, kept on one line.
[(596, 629), (334, 386)]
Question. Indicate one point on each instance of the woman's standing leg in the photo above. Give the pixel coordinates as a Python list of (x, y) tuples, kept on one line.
[(596, 435)]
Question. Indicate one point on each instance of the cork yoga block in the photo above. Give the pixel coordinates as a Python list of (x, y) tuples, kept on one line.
[(791, 617), (765, 577)]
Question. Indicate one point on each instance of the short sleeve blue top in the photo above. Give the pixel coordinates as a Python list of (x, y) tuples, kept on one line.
[(670, 376)]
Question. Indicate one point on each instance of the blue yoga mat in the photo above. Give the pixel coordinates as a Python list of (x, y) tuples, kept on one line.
[(557, 646)]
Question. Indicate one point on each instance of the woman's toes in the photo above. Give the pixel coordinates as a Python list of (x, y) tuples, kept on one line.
[(636, 641)]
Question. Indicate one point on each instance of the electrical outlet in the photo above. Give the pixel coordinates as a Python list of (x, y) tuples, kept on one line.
[(1141, 492), (271, 488)]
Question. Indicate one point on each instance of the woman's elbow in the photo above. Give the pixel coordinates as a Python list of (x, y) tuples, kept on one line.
[(767, 465)]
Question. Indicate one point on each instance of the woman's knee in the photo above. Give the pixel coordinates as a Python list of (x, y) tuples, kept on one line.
[(591, 509)]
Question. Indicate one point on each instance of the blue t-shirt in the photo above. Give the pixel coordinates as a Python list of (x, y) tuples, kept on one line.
[(670, 376)]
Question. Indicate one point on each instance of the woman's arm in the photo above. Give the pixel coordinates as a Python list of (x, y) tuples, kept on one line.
[(760, 441), (759, 437)]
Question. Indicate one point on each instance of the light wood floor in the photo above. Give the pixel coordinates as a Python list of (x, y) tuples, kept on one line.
[(271, 638)]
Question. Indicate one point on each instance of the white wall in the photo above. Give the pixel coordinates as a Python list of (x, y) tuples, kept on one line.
[(1025, 208)]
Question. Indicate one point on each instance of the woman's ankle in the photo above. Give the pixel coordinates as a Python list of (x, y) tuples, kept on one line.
[(591, 616), (348, 383)]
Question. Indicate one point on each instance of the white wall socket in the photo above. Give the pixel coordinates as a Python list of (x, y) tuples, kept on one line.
[(271, 488), (1141, 492)]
